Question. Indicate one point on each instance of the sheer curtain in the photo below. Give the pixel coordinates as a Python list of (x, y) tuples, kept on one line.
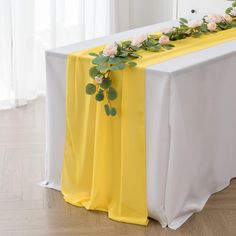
[(29, 27)]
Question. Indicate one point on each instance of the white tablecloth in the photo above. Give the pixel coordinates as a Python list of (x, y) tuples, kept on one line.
[(190, 125)]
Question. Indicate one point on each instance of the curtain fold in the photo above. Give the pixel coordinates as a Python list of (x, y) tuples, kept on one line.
[(28, 28)]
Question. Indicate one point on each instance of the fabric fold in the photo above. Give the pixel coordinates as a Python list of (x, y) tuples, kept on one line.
[(105, 157)]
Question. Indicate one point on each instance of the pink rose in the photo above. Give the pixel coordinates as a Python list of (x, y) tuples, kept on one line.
[(137, 42), (233, 12), (163, 40), (212, 26), (110, 50), (214, 18), (99, 79), (228, 18), (195, 23)]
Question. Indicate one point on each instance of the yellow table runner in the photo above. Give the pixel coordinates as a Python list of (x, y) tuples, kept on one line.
[(105, 157)]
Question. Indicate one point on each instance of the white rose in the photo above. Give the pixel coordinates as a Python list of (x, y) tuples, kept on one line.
[(110, 50), (137, 42), (195, 23), (212, 26), (228, 18), (233, 12), (167, 30), (164, 39), (99, 79)]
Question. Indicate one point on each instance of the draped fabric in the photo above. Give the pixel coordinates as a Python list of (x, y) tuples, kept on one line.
[(104, 165)]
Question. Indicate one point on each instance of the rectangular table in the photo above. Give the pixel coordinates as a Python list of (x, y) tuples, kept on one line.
[(190, 125)]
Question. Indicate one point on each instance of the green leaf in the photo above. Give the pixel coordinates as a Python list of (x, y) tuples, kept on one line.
[(228, 10), (168, 46), (107, 109), (134, 55), (124, 54), (106, 83), (113, 111), (90, 89), (112, 94), (154, 49), (126, 44), (102, 67), (120, 66), (114, 60), (183, 20), (234, 4), (134, 48), (100, 60), (93, 54), (132, 63), (93, 71), (100, 96), (196, 34), (151, 43), (114, 68)]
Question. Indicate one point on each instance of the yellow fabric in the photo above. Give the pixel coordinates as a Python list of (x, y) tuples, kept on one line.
[(104, 166)]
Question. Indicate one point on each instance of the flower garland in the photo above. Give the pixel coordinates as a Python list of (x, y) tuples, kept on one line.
[(119, 56)]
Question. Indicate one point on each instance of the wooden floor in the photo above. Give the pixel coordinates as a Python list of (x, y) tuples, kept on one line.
[(29, 209)]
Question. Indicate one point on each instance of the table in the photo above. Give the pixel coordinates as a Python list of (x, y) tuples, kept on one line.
[(190, 125)]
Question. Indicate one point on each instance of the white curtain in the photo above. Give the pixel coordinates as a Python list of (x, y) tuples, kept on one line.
[(29, 27)]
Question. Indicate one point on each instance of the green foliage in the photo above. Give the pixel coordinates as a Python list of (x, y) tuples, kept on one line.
[(127, 54), (113, 111), (93, 54), (99, 96), (228, 10), (93, 72), (107, 109), (100, 60), (112, 94), (132, 63), (90, 89), (106, 83)]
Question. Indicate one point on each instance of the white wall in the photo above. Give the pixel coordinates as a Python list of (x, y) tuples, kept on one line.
[(201, 6), (146, 12), (128, 14)]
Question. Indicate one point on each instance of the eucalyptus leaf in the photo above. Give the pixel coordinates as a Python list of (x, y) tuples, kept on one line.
[(154, 48), (106, 83), (102, 67), (228, 10), (134, 55), (123, 54), (167, 47), (183, 20), (93, 72), (90, 89), (112, 94), (107, 109), (120, 66), (93, 54), (126, 44), (113, 111), (100, 60), (99, 96), (134, 48), (114, 60), (132, 63)]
